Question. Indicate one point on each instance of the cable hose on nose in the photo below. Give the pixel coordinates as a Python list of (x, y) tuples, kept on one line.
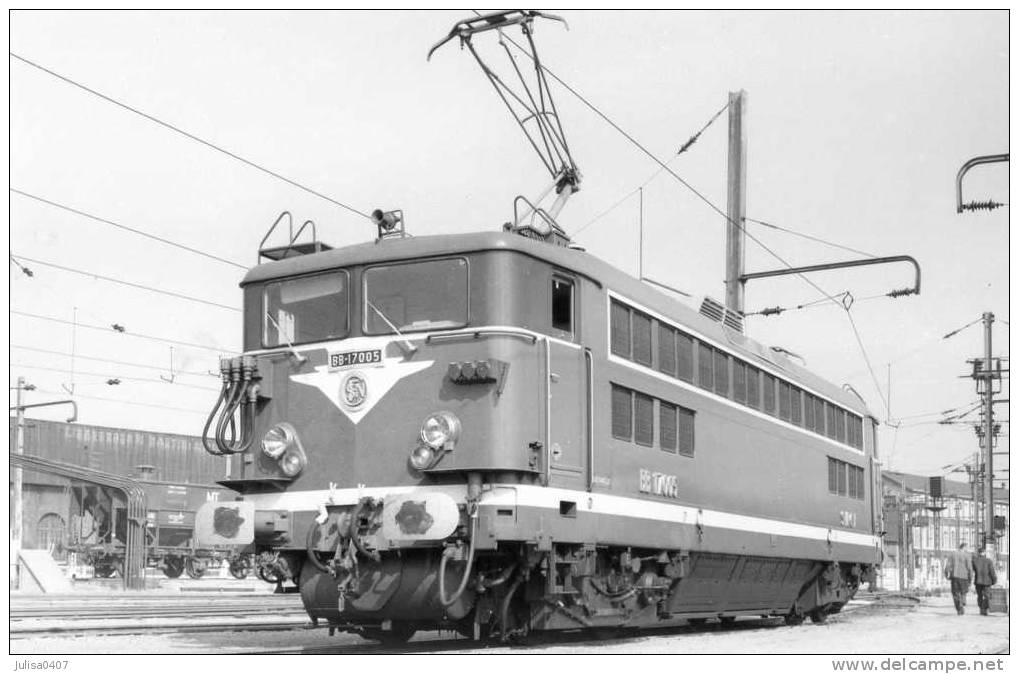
[(446, 554), (208, 422), (233, 446)]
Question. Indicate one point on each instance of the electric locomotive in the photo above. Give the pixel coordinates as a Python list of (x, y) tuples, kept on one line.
[(499, 433)]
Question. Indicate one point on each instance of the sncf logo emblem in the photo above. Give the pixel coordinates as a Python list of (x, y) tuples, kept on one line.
[(354, 390), (847, 518)]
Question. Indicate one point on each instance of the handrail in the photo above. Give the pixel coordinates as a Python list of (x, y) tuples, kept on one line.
[(548, 412), (476, 333), (589, 357), (273, 228), (549, 220), (314, 236)]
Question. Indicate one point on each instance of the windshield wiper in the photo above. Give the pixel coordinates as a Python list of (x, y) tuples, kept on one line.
[(410, 348), (293, 352)]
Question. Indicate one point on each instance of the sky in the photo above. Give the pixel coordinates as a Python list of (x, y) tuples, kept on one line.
[(857, 124)]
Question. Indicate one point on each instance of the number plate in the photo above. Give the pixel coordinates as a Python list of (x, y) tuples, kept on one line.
[(338, 361)]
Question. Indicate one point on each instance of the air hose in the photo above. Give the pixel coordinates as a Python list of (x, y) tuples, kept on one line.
[(224, 371), (240, 390), (310, 548), (449, 552), (504, 608), (356, 538)]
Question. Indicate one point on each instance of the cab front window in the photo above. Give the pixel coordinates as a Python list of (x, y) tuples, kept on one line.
[(415, 296), (306, 309)]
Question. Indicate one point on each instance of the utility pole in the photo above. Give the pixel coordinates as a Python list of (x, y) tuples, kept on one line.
[(18, 515), (988, 437), (735, 237)]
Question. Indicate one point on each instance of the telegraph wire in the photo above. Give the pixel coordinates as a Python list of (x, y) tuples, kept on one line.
[(105, 328), (189, 135), (131, 284), (109, 376), (808, 236), (126, 228), (112, 361)]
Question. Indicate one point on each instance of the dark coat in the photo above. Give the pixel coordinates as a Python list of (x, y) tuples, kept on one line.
[(985, 574)]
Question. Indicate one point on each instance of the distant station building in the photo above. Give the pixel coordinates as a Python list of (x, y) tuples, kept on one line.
[(52, 504), (925, 519)]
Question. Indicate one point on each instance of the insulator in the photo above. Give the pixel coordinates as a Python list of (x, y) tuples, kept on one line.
[(771, 311), (902, 292), (988, 205)]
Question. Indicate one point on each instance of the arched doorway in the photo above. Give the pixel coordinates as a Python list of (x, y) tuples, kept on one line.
[(51, 533)]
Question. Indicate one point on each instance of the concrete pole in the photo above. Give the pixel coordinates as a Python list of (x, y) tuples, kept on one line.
[(18, 514), (988, 438), (735, 238)]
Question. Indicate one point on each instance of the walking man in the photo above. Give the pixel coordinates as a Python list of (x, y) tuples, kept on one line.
[(959, 570), (984, 577)]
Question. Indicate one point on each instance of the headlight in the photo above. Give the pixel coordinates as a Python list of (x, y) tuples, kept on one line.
[(422, 457), (277, 439), (440, 430), (292, 462)]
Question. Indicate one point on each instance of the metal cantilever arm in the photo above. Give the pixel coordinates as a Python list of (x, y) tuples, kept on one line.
[(915, 290), (975, 161), (73, 404)]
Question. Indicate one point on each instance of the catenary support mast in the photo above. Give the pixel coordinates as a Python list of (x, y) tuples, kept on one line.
[(735, 238)]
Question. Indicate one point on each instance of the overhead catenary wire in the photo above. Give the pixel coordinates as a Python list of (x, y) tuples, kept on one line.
[(739, 225), (125, 402), (808, 236), (131, 284), (105, 328), (133, 230), (109, 376), (113, 361), (654, 175), (187, 134), (672, 173)]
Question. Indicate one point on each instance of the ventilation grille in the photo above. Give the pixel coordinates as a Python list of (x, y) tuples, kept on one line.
[(714, 310)]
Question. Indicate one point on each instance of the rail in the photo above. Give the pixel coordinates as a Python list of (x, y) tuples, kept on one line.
[(477, 333)]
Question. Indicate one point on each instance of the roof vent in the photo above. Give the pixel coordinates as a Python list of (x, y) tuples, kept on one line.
[(717, 312)]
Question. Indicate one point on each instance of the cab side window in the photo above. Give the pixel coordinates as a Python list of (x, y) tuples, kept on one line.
[(562, 305)]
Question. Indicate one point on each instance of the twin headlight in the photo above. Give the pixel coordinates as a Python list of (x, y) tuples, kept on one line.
[(439, 432), (281, 443)]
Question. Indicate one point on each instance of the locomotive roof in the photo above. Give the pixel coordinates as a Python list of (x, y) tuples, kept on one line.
[(577, 261)]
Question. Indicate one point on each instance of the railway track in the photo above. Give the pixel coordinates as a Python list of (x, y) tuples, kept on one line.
[(153, 615)]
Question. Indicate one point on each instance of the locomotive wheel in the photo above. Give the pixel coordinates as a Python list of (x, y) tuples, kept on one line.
[(239, 568), (194, 567), (818, 616), (400, 634), (267, 576), (103, 570), (173, 567), (793, 619)]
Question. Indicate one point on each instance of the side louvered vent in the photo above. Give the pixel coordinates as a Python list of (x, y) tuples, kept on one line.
[(714, 310)]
